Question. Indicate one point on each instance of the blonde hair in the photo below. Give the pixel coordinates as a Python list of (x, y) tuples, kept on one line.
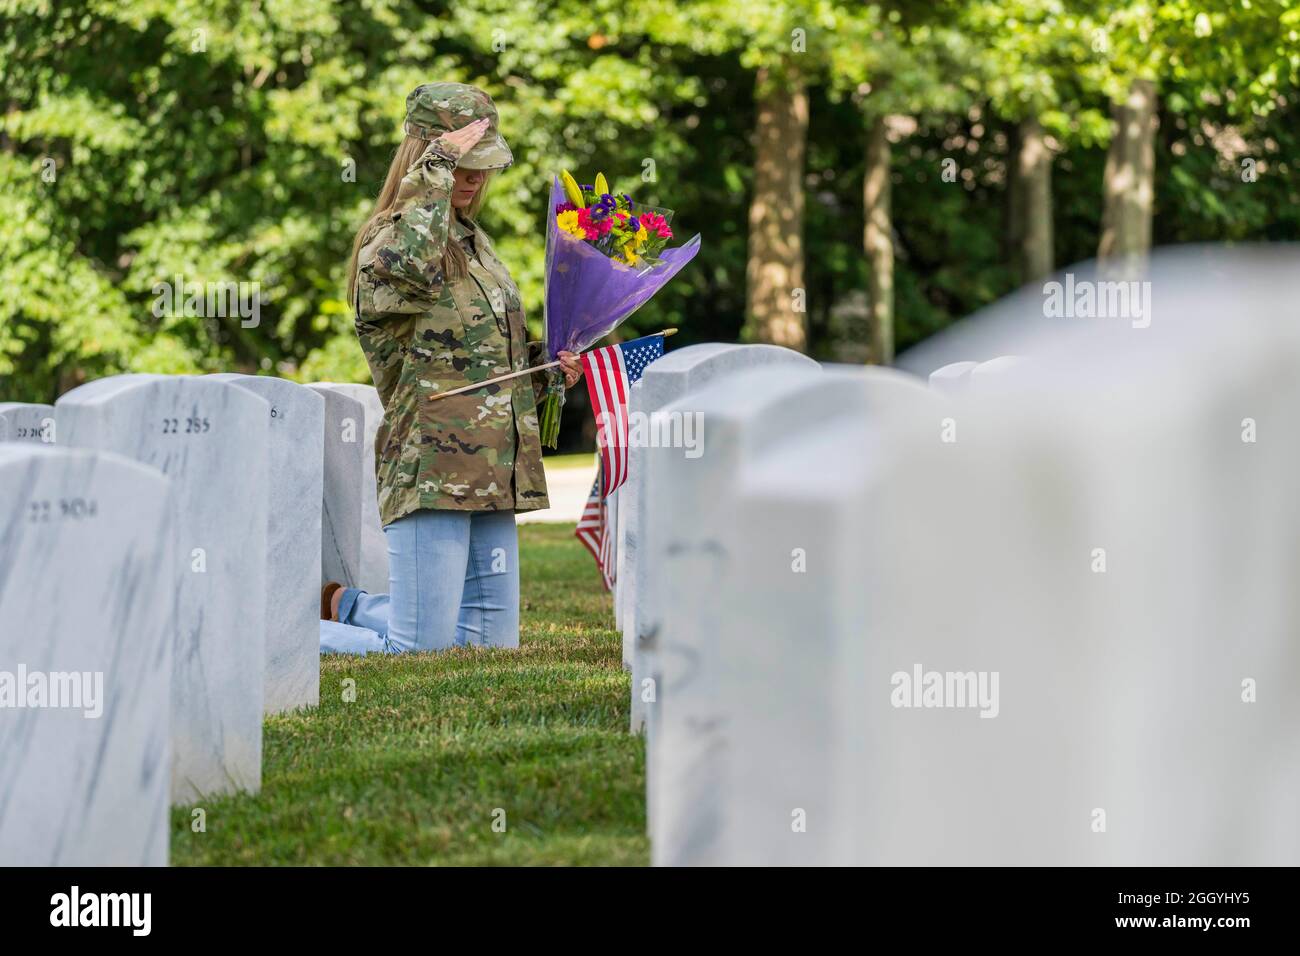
[(454, 263)]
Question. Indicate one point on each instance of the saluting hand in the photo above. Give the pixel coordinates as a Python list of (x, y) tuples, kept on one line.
[(466, 137), (572, 368)]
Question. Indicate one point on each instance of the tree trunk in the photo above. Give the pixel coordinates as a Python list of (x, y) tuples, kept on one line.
[(1129, 186), (1013, 223), (7, 144), (1032, 205), (775, 293), (878, 244)]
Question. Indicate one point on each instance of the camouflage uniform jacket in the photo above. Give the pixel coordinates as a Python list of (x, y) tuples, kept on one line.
[(477, 451)]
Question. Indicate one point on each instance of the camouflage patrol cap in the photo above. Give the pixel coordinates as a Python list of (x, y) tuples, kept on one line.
[(436, 108)]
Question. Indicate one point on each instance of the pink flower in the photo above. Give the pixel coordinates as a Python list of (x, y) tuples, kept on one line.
[(656, 224)]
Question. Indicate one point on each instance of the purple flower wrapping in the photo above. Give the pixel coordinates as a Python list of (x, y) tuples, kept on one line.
[(589, 294)]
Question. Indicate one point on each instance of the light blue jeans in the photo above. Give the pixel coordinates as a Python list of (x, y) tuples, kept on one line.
[(453, 581)]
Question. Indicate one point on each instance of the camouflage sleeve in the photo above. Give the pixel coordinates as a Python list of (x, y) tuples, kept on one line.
[(408, 248)]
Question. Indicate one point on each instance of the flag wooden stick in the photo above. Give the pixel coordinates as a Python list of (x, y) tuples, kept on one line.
[(509, 375)]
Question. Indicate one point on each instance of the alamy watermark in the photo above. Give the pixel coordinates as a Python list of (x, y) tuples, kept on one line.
[(209, 300), (129, 910), (69, 690), (661, 430), (1090, 299), (946, 689)]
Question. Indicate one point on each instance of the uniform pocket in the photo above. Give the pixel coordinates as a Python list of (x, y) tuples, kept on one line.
[(468, 443), (485, 351), (438, 346)]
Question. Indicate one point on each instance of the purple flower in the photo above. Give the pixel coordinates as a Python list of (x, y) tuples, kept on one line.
[(634, 223), (602, 208)]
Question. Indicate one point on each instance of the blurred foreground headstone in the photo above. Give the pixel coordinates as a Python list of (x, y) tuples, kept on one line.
[(87, 627), (1047, 618)]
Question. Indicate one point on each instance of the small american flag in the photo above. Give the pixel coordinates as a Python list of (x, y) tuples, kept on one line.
[(610, 373), (596, 532)]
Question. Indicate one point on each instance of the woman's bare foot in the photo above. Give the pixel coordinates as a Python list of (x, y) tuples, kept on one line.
[(330, 595)]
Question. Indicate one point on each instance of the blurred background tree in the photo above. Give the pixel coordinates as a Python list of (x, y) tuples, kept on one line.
[(863, 173)]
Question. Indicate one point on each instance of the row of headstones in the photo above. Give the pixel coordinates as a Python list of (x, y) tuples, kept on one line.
[(874, 621), (164, 543), (673, 379)]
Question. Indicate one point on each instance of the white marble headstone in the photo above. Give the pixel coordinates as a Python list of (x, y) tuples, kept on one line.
[(959, 377), (345, 463), (212, 439), (1104, 543), (952, 378), (1073, 541), (297, 436), (691, 545), (793, 671), (996, 368), (373, 573), (20, 421), (87, 606), (666, 380)]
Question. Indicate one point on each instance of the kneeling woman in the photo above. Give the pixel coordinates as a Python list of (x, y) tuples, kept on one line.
[(437, 310)]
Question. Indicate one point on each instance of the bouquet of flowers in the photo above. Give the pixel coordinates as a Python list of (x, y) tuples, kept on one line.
[(606, 256)]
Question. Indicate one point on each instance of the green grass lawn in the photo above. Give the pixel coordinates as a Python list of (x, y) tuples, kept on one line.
[(415, 770), (584, 459)]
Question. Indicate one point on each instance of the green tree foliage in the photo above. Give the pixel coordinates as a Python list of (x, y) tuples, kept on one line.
[(245, 141)]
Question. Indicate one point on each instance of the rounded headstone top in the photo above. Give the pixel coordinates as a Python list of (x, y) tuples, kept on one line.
[(686, 370), (750, 392), (1003, 363), (344, 387), (103, 389), (883, 384), (952, 376), (270, 385), (19, 454), (367, 395), (14, 451), (731, 354)]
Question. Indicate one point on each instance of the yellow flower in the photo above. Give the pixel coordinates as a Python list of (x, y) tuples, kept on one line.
[(571, 189), (568, 221), (629, 255), (641, 236)]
